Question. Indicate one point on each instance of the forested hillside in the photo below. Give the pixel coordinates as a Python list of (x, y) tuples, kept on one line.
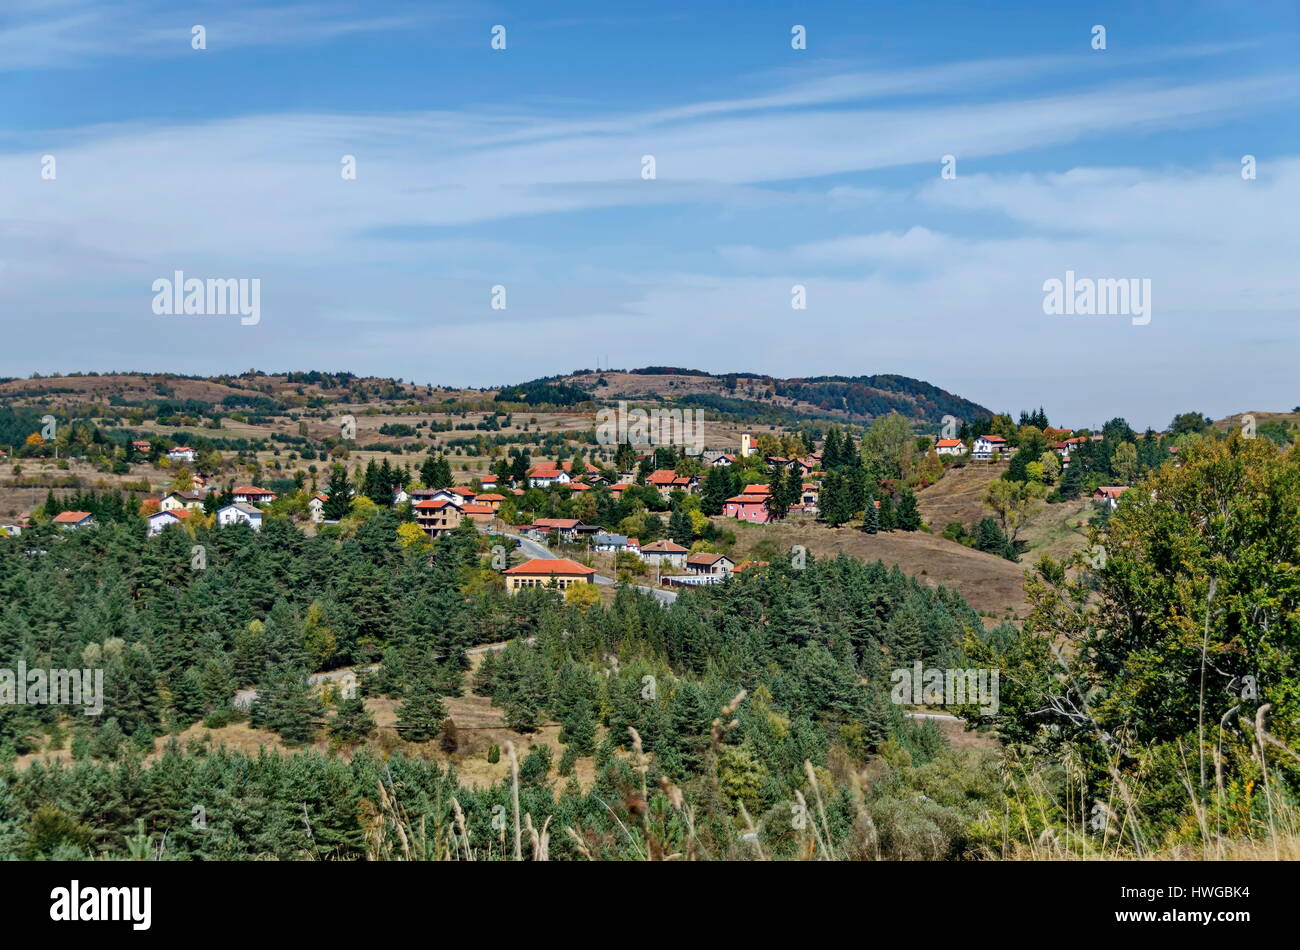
[(1148, 700), (805, 650)]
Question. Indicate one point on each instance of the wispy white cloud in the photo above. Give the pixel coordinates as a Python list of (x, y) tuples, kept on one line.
[(74, 33)]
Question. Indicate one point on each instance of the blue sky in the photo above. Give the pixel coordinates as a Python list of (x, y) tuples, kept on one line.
[(774, 167)]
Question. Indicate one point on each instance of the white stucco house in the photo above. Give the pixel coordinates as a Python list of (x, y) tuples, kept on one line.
[(240, 513), (986, 445)]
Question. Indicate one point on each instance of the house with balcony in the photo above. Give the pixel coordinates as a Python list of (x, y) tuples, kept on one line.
[(987, 446)]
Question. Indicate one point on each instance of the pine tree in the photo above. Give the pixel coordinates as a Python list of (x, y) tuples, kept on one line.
[(436, 472), (794, 486), (353, 723), (886, 520), (578, 730), (907, 516), (834, 500), (679, 528), (339, 499), (716, 490), (421, 712), (187, 697), (778, 503), (287, 704), (849, 452), (831, 450), (871, 521)]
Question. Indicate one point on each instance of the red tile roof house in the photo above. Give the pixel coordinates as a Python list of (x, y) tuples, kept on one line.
[(543, 476), (950, 447), (547, 572), (566, 529), (253, 495), (664, 552), (752, 508), (161, 519), (491, 499), (986, 445), (750, 505), (706, 563), (1109, 494), (666, 481), (436, 517), (556, 473), (74, 519), (480, 514), (416, 495)]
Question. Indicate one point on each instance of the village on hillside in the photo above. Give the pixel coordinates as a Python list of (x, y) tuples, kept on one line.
[(659, 516)]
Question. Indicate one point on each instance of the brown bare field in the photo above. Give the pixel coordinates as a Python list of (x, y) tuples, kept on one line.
[(1055, 530), (959, 495), (989, 583)]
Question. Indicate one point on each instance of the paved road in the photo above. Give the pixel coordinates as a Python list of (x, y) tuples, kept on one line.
[(538, 550), (939, 716)]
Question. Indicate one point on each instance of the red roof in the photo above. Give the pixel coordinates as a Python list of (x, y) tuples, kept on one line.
[(992, 438), (251, 490), (551, 469), (467, 492), (747, 500), (706, 558), (756, 490), (432, 505), (666, 476), (477, 509), (557, 523), (664, 547), (71, 517), (562, 565), (947, 443), (490, 496)]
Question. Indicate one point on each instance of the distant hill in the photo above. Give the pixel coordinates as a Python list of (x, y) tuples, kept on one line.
[(849, 398), (743, 397)]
